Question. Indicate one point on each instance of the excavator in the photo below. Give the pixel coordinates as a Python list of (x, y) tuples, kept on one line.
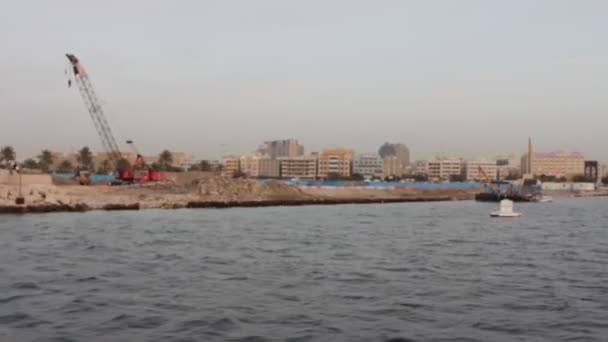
[(125, 173)]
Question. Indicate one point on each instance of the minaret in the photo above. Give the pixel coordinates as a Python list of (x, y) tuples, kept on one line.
[(530, 155)]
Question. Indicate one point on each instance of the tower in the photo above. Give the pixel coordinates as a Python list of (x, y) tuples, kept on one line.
[(530, 156)]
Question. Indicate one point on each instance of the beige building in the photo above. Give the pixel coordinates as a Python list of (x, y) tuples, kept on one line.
[(442, 169), (393, 166), (488, 166), (335, 161), (269, 168), (250, 165), (230, 165), (557, 163), (299, 167)]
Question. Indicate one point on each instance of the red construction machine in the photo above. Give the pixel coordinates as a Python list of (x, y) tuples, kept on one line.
[(125, 172)]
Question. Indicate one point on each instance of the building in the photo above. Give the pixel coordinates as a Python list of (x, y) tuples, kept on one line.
[(508, 168), (592, 170), (288, 148), (230, 165), (299, 167), (369, 165), (557, 163), (269, 168), (335, 161), (488, 166), (396, 149), (419, 167), (443, 168), (392, 166), (249, 164)]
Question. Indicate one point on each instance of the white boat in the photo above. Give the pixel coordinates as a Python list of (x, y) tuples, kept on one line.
[(506, 210), (546, 199)]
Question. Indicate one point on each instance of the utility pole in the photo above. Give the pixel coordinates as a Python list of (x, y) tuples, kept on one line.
[(20, 200)]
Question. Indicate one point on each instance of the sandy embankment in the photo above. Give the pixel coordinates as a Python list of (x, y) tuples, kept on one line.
[(208, 191)]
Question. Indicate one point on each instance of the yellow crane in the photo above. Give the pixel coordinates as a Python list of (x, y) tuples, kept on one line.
[(484, 175)]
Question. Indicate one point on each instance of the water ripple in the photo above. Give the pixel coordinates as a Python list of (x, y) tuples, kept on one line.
[(392, 273)]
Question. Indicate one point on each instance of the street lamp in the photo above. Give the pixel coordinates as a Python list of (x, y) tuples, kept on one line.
[(20, 199)]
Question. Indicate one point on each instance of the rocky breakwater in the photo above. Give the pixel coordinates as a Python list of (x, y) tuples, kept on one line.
[(215, 191), (38, 198)]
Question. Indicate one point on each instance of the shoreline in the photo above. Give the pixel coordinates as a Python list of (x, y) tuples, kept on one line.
[(79, 207), (193, 191)]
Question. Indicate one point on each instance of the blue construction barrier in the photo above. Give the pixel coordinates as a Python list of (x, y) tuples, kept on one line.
[(95, 178), (418, 185)]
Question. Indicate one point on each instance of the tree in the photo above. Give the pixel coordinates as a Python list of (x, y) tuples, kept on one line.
[(30, 164), (45, 160), (581, 178), (387, 150), (205, 166), (105, 167), (85, 158), (65, 167), (457, 178), (165, 158), (7, 154), (357, 177), (332, 176), (418, 177)]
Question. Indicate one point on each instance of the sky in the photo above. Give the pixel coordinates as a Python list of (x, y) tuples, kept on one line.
[(469, 78)]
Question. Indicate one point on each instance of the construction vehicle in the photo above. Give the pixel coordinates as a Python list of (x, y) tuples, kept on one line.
[(124, 172), (493, 193)]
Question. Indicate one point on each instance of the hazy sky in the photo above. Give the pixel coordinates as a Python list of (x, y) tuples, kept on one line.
[(466, 78)]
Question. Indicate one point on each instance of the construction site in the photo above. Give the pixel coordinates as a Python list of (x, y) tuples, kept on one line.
[(134, 184)]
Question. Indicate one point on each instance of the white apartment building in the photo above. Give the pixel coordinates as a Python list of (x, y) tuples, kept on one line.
[(488, 166), (443, 168), (369, 165)]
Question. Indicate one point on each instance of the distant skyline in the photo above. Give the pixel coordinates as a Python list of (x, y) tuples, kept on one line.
[(467, 78)]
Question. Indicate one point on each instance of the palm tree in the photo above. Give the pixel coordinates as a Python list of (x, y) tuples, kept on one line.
[(85, 158), (65, 166), (45, 160), (7, 154), (30, 164), (165, 158)]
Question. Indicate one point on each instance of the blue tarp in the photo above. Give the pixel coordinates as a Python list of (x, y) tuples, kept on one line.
[(94, 178), (421, 185)]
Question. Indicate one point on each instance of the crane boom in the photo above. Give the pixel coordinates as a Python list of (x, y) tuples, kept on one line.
[(95, 110), (483, 174)]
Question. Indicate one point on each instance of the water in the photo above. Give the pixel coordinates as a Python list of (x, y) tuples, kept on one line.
[(416, 271)]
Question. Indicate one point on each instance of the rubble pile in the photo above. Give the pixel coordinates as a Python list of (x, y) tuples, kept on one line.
[(227, 189)]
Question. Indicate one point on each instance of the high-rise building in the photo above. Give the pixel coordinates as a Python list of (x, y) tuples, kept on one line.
[(396, 149), (288, 148), (335, 161), (368, 165), (299, 167)]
